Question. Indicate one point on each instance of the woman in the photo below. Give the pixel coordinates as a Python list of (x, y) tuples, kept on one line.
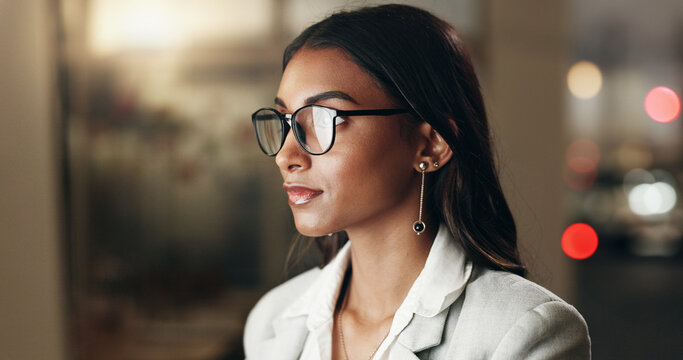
[(389, 167)]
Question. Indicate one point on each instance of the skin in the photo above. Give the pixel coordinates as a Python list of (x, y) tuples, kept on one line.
[(370, 185)]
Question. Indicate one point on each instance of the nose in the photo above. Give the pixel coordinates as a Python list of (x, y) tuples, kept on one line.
[(291, 156)]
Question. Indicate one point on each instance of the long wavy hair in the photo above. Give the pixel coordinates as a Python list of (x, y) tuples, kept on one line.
[(420, 60)]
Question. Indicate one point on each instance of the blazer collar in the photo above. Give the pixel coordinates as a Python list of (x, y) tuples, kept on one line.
[(423, 332), (426, 306), (290, 336), (442, 279)]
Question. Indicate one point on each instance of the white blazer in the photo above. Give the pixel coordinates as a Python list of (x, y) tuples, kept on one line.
[(467, 312)]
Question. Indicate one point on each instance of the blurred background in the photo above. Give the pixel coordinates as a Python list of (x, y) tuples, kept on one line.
[(139, 219)]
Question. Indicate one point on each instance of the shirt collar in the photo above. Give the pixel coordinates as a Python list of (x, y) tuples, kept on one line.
[(442, 279), (319, 301), (438, 285)]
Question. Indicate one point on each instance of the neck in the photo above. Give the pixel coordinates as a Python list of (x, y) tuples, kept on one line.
[(385, 261)]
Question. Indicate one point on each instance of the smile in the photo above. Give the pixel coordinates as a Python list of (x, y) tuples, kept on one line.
[(300, 195)]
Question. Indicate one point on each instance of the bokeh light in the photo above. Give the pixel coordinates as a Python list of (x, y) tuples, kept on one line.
[(119, 26), (581, 169), (634, 155), (582, 156), (636, 177), (584, 79), (662, 104), (579, 181), (579, 241), (652, 199), (116, 25)]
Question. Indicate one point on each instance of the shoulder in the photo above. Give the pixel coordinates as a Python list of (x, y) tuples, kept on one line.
[(506, 292), (259, 321), (512, 317)]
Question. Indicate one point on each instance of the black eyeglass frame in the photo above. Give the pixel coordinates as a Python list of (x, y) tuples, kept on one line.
[(285, 120)]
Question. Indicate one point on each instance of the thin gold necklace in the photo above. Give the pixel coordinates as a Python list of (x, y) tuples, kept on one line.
[(341, 330)]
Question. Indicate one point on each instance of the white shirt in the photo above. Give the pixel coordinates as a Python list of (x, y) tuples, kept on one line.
[(440, 282)]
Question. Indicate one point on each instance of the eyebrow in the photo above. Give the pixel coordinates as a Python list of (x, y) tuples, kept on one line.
[(333, 94)]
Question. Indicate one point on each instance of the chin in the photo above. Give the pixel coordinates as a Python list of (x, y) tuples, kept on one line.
[(313, 230), (310, 232)]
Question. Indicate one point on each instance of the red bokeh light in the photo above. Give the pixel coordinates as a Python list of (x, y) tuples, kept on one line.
[(579, 241), (662, 104), (582, 156), (579, 181)]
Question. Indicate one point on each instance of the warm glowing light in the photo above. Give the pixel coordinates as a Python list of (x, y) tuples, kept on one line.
[(130, 24), (652, 199), (582, 156), (584, 79), (662, 104), (634, 155), (116, 26), (579, 241)]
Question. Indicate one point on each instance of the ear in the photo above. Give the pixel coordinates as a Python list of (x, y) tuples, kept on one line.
[(432, 148)]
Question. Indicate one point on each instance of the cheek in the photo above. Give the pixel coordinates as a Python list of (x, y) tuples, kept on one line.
[(362, 179), (376, 170)]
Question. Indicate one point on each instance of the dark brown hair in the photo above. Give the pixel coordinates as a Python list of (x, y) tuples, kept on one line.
[(419, 60)]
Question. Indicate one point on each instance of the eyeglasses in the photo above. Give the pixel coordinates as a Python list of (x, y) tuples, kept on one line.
[(314, 126)]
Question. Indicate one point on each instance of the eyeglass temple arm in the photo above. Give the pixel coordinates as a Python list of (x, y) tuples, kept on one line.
[(372, 112)]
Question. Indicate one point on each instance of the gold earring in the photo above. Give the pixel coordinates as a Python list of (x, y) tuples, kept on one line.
[(419, 226)]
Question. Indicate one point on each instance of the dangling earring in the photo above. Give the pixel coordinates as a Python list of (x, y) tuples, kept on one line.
[(419, 226)]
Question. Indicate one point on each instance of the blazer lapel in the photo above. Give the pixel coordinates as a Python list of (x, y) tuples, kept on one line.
[(400, 352), (420, 334)]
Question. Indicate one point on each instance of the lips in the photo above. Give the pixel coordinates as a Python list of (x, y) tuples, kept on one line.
[(300, 195)]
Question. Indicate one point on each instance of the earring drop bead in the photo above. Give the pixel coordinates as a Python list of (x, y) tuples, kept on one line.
[(418, 227)]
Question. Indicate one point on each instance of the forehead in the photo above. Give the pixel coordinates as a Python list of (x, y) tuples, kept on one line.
[(314, 71)]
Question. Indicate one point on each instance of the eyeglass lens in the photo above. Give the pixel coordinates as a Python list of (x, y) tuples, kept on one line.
[(313, 127), (269, 131)]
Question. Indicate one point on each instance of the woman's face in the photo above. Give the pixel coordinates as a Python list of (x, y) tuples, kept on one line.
[(366, 176)]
